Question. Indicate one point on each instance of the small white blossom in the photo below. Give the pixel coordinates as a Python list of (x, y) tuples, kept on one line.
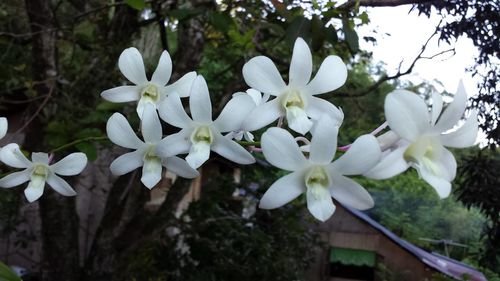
[(318, 176), (120, 133), (147, 91), (258, 99), (199, 133), (38, 171), (422, 137), (295, 101)]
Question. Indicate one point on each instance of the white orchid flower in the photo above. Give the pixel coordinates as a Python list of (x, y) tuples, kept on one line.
[(318, 176), (200, 134), (3, 127), (120, 133), (295, 101), (423, 137), (147, 91), (258, 99), (38, 171)]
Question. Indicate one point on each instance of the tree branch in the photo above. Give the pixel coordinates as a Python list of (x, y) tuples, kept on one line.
[(382, 3)]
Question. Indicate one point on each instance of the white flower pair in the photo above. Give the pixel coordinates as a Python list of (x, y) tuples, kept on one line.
[(418, 137)]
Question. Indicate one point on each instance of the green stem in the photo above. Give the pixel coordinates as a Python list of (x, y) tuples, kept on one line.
[(75, 142), (249, 143)]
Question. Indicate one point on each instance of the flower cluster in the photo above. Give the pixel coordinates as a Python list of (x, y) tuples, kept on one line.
[(416, 138)]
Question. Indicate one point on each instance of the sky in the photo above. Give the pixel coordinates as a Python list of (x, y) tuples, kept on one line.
[(400, 36)]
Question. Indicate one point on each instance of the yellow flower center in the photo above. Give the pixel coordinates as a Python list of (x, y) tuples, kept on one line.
[(425, 152), (202, 134), (150, 93), (40, 170), (317, 180), (292, 98)]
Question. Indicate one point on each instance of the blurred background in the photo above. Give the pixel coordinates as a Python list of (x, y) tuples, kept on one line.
[(57, 56)]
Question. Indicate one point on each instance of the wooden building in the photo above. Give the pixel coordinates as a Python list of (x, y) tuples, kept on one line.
[(359, 248)]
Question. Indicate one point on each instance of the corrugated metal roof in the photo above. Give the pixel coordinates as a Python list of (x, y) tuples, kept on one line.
[(445, 265)]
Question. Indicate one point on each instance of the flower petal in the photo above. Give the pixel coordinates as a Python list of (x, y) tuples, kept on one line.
[(3, 127), (172, 111), (448, 164), (262, 115), (297, 120), (127, 163), (260, 73), (163, 70), (437, 106), (319, 203), (35, 188), (406, 114), (464, 136), (182, 86), (40, 157), (301, 64), (70, 165), (363, 155), (283, 191), (441, 185), (60, 185), (232, 150), (198, 154), (132, 66), (180, 167), (151, 172), (324, 142), (15, 178), (122, 94), (120, 133), (12, 156), (281, 150), (316, 107), (150, 125), (350, 193), (331, 75), (391, 164), (174, 144), (454, 111), (234, 113), (199, 101), (256, 96)]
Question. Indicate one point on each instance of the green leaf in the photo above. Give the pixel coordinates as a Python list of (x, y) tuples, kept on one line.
[(351, 37), (221, 21), (136, 4), (331, 35), (89, 150), (318, 33), (299, 27), (6, 274)]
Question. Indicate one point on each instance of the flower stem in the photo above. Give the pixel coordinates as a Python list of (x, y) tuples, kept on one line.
[(249, 143), (75, 142)]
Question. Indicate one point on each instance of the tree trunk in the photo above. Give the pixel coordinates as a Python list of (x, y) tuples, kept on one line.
[(57, 213)]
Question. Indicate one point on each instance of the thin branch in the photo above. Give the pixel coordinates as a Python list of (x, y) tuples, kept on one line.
[(75, 142), (42, 105), (382, 3), (384, 78)]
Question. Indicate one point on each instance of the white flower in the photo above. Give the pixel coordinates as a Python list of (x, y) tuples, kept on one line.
[(147, 91), (200, 134), (423, 137), (3, 127), (38, 171), (120, 133), (318, 176), (258, 99), (296, 100)]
